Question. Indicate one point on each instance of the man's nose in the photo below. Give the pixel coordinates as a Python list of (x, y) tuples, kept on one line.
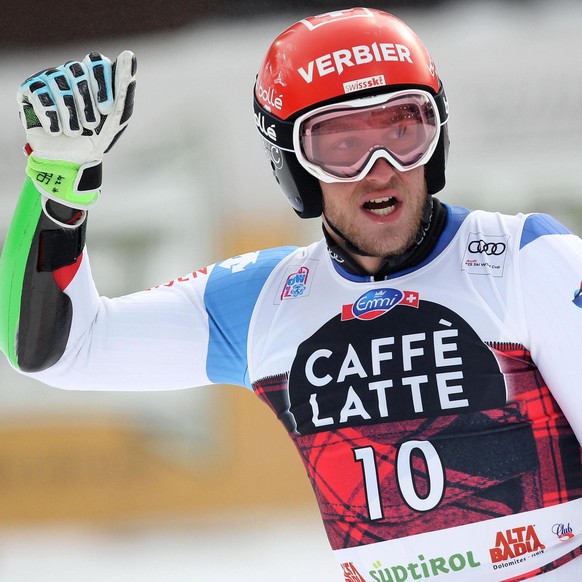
[(381, 171)]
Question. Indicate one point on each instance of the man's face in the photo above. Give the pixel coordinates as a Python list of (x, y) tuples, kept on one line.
[(381, 213)]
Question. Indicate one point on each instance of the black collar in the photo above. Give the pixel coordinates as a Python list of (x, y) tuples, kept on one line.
[(433, 222)]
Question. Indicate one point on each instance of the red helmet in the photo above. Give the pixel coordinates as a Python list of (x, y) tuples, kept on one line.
[(333, 58)]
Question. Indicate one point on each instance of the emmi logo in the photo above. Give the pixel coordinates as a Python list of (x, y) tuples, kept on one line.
[(512, 543)]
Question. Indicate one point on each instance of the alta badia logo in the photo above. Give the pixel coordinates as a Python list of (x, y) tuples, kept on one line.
[(514, 545)]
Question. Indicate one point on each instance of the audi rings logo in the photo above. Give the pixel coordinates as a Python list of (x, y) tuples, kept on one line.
[(485, 254), (487, 248)]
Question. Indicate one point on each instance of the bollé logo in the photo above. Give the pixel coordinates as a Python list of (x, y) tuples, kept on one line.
[(269, 97), (267, 131), (515, 542)]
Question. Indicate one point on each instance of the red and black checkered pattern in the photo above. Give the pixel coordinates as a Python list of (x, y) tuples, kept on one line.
[(548, 567), (519, 457)]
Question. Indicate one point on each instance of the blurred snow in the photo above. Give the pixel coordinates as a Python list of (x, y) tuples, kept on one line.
[(246, 548), (191, 164)]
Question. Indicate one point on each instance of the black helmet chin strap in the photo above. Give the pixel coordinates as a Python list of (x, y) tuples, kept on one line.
[(348, 244), (430, 227)]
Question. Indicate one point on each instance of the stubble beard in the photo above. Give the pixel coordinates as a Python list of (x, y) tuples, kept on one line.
[(387, 240)]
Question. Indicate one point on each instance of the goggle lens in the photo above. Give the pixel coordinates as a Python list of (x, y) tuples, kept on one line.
[(341, 140)]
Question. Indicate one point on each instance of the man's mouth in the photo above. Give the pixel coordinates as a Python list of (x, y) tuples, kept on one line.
[(381, 206)]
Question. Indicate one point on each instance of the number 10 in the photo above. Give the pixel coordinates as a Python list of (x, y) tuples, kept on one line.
[(404, 477)]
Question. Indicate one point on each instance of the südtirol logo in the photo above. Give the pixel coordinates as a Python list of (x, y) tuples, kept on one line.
[(424, 568), (512, 546)]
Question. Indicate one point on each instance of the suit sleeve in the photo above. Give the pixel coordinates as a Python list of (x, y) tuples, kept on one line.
[(56, 328), (35, 314), (550, 278)]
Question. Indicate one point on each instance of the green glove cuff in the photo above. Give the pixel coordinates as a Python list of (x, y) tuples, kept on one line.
[(73, 185)]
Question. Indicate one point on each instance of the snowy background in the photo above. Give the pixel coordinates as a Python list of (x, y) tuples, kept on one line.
[(190, 172)]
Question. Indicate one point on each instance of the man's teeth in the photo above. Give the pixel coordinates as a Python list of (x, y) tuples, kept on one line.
[(381, 206)]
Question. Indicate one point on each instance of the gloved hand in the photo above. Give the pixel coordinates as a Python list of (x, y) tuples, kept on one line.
[(72, 115)]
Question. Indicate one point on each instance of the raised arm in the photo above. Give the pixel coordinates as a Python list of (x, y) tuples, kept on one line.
[(72, 115)]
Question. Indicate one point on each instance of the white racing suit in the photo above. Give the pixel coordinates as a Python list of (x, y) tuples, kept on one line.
[(436, 412)]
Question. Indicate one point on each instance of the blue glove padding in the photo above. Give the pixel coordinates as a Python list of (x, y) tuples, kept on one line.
[(77, 111)]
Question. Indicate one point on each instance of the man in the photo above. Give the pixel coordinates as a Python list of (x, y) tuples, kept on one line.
[(422, 357)]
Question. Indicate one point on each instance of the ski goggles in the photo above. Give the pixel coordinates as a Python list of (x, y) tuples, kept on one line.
[(341, 142)]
